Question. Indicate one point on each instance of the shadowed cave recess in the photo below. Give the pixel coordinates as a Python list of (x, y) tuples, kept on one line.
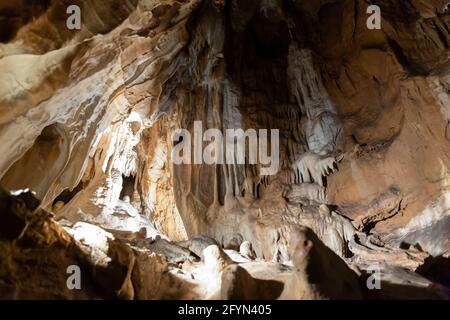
[(360, 205)]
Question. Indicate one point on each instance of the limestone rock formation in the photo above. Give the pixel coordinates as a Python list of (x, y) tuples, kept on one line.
[(358, 208)]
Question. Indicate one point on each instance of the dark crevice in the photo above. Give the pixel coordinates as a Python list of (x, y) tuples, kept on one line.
[(67, 195), (412, 69), (128, 187)]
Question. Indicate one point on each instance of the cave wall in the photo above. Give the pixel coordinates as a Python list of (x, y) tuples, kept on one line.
[(363, 118)]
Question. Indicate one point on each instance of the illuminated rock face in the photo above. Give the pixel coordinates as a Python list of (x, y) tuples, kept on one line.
[(87, 117)]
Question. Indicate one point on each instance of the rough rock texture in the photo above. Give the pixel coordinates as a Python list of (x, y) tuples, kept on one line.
[(86, 124)]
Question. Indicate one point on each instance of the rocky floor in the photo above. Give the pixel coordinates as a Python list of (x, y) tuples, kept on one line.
[(37, 255)]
